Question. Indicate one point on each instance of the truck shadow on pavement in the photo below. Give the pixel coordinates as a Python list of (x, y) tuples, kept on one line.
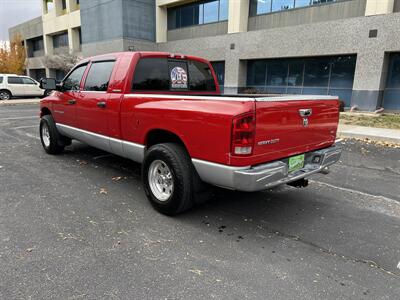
[(285, 210), (279, 220)]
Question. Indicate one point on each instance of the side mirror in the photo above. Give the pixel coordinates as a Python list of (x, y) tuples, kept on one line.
[(48, 84)]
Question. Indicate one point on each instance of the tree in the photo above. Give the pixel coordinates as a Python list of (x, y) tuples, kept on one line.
[(64, 62), (13, 57)]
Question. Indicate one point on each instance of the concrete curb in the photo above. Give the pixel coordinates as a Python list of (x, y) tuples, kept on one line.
[(371, 133)]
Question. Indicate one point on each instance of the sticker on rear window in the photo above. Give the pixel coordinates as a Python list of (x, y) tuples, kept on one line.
[(179, 79)]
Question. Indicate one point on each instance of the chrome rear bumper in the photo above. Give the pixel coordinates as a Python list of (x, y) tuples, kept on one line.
[(261, 177)]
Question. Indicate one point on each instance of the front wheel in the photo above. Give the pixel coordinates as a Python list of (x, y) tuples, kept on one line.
[(46, 93), (167, 178), (5, 95), (51, 139)]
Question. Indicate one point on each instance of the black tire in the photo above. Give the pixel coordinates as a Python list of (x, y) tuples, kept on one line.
[(46, 93), (5, 95), (179, 163), (56, 142)]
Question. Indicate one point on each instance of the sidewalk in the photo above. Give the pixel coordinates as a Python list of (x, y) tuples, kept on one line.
[(19, 102), (372, 133)]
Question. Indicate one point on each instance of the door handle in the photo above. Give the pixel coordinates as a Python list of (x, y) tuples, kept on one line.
[(71, 101), (101, 104)]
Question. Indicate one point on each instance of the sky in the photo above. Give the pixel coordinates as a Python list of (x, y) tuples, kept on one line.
[(14, 12)]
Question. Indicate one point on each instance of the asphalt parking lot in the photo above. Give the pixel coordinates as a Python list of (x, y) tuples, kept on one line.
[(78, 226)]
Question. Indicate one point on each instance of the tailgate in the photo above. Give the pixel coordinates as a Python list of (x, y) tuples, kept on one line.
[(294, 125)]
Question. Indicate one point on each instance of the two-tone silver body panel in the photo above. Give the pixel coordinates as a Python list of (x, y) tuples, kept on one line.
[(247, 178), (122, 148), (264, 176)]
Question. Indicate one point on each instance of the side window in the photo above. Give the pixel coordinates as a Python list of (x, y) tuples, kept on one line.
[(1, 79), (15, 80), (27, 80), (200, 76), (151, 74), (99, 76), (72, 82)]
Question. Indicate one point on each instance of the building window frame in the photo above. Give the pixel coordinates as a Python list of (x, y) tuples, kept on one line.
[(391, 94), (177, 10), (311, 3), (339, 82), (60, 40)]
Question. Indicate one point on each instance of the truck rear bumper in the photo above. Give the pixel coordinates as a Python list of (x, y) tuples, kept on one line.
[(261, 177)]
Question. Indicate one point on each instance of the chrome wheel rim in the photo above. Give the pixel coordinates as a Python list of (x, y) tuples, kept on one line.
[(160, 180), (45, 135), (4, 96)]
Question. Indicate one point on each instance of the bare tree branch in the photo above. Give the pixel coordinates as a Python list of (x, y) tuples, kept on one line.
[(64, 62)]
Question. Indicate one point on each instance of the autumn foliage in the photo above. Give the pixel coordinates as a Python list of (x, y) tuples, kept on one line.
[(13, 57)]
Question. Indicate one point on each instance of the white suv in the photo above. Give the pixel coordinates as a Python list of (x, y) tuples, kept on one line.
[(15, 85)]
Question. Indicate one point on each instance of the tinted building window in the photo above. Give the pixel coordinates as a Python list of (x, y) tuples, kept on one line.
[(73, 81), (60, 40), (282, 5), (316, 72), (15, 80), (37, 44), (258, 7), (151, 74), (99, 76), (200, 77), (322, 75), (391, 96), (198, 13), (295, 75), (342, 72), (60, 74), (211, 12), (219, 69)]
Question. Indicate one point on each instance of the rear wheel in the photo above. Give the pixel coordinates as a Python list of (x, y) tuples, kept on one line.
[(168, 179), (5, 95), (52, 141)]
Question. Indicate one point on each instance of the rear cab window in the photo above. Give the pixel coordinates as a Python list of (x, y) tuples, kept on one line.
[(1, 79), (164, 74)]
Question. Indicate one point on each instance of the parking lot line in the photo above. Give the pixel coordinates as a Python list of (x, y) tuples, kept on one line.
[(25, 127), (18, 118)]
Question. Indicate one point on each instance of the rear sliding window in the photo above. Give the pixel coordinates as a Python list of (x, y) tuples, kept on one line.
[(161, 74)]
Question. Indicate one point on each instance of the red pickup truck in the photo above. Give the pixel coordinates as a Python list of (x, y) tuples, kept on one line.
[(165, 111)]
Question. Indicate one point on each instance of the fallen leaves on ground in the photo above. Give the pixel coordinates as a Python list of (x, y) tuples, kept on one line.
[(117, 178), (103, 191), (198, 272), (378, 143)]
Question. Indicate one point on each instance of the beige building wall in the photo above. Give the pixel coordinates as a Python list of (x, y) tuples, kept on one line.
[(379, 7), (57, 20), (237, 19)]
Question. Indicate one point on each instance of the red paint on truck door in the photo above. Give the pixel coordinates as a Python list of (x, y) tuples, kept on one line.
[(94, 105), (65, 107)]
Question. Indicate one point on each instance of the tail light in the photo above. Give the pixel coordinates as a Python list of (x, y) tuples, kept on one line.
[(243, 133)]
